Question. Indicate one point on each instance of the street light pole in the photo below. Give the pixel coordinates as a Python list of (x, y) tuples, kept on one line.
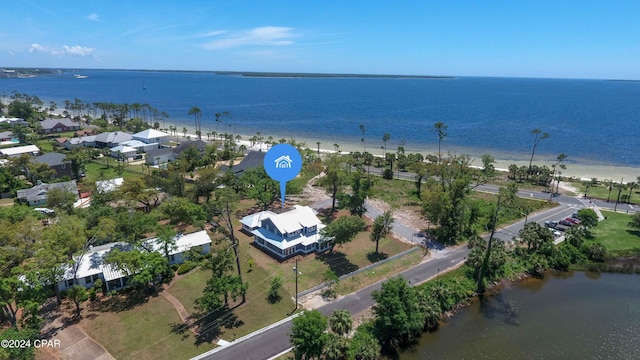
[(296, 270)]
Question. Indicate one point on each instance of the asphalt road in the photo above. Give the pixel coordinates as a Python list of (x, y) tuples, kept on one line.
[(276, 340)]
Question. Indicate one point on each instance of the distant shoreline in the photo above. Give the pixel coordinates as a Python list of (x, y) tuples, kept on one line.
[(326, 75)]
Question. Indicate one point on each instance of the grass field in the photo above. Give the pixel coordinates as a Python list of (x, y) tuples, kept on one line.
[(142, 332), (615, 233)]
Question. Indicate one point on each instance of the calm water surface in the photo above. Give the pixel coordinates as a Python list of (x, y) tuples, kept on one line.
[(571, 316)]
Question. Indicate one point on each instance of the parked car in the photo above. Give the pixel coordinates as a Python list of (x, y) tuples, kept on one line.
[(551, 224), (566, 222), (573, 221), (555, 232), (575, 215), (561, 228)]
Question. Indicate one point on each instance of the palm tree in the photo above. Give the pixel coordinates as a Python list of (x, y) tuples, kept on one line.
[(631, 185), (184, 131), (341, 322), (558, 163), (318, 143), (336, 146), (538, 136), (195, 111), (208, 136), (362, 130), (385, 138), (441, 130), (608, 183)]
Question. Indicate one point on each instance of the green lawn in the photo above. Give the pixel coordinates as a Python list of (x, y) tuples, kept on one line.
[(97, 170), (615, 233), (142, 332), (601, 191)]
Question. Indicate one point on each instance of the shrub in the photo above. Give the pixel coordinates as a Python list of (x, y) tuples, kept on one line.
[(186, 267), (274, 289), (92, 294), (387, 174)]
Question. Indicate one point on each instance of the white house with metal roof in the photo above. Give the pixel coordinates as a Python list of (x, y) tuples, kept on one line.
[(151, 136), (19, 150), (286, 234), (91, 266)]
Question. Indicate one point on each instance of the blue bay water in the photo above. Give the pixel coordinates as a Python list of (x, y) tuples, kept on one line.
[(592, 121)]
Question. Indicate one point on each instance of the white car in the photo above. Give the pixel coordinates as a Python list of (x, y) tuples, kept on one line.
[(44, 210)]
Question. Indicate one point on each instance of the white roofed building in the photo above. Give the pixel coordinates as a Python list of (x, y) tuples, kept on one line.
[(283, 235), (151, 136), (19, 150)]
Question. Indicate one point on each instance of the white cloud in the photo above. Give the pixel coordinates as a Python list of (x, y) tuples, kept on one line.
[(44, 49), (94, 17), (211, 33), (66, 50), (261, 36), (79, 50)]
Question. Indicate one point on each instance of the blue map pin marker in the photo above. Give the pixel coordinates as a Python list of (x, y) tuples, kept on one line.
[(282, 163)]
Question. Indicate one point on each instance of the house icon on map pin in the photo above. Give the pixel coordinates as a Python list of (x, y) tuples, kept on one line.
[(283, 162)]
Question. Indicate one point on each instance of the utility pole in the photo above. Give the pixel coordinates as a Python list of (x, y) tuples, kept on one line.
[(296, 270)]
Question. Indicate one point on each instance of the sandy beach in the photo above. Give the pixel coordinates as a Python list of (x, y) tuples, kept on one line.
[(575, 170)]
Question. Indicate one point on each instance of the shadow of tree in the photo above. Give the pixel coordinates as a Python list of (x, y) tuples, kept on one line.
[(374, 257), (338, 262), (634, 232), (122, 301), (210, 325)]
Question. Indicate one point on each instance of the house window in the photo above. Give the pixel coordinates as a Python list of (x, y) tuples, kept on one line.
[(288, 251), (88, 280), (63, 166), (172, 258), (70, 282)]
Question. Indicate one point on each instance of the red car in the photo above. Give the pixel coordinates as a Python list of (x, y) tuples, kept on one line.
[(573, 221)]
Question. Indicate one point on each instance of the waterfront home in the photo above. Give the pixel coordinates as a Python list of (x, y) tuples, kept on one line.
[(51, 126), (37, 195), (252, 160), (152, 136), (90, 266), (165, 155), (285, 234), (19, 150), (57, 162), (13, 121), (111, 139), (123, 152)]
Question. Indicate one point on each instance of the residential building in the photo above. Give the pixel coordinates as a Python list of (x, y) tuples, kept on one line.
[(37, 195), (19, 150), (296, 231), (91, 265), (57, 162), (123, 152), (165, 155), (52, 126), (152, 136), (252, 160), (6, 136), (107, 186), (111, 139), (13, 121)]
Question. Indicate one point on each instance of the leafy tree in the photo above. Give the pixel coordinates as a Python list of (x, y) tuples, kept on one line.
[(596, 252), (264, 189), (399, 316), (137, 191), (363, 346), (588, 217), (274, 289), (421, 173), (308, 335), (538, 136), (440, 129), (342, 230), (61, 199), (382, 226), (341, 322), (180, 211), (205, 183), (79, 158), (221, 285), (144, 267), (360, 189), (635, 221), (535, 236), (167, 239), (78, 294), (18, 353)]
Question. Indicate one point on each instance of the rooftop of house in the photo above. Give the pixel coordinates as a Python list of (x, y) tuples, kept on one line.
[(39, 191), (252, 160), (113, 137), (52, 159), (183, 242), (150, 134), (17, 150), (51, 123)]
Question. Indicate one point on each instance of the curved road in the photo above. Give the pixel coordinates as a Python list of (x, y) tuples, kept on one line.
[(273, 340)]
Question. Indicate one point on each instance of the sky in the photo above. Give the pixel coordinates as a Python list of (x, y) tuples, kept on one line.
[(509, 38)]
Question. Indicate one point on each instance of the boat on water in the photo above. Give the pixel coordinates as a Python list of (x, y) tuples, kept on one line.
[(78, 76)]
